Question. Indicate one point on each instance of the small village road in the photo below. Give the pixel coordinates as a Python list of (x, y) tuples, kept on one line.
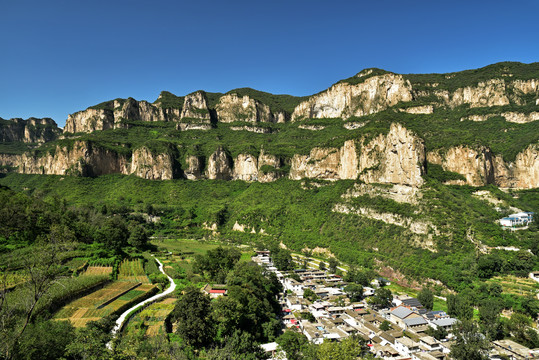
[(123, 317)]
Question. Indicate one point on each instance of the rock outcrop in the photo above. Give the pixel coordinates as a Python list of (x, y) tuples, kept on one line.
[(195, 108), (520, 118), (89, 120), (81, 158), (395, 158), (326, 163), (344, 100), (148, 165), (481, 167), (219, 165), (233, 108), (31, 131)]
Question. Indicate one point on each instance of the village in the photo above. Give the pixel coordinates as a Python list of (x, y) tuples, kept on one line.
[(314, 303)]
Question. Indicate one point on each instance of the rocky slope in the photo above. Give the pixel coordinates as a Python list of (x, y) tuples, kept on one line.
[(31, 130)]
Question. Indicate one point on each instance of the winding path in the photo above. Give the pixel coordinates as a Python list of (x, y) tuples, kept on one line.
[(123, 317)]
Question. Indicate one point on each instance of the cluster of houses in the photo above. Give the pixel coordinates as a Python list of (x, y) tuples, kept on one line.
[(400, 332), (517, 220)]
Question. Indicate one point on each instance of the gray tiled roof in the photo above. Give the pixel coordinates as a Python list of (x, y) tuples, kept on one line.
[(415, 321), (401, 312)]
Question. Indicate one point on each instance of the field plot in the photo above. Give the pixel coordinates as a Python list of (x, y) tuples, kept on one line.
[(153, 317), (133, 270), (516, 286), (103, 302), (98, 270)]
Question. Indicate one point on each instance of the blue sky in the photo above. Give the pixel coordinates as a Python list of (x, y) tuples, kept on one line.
[(58, 57)]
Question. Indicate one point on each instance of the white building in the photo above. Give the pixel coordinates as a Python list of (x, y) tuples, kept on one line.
[(519, 219)]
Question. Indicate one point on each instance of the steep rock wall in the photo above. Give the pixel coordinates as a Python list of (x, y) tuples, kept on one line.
[(395, 158), (344, 100), (82, 158), (148, 165), (32, 130), (89, 120), (195, 107), (481, 167), (219, 165), (232, 108)]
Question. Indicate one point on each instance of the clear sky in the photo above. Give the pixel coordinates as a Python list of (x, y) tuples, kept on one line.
[(58, 57)]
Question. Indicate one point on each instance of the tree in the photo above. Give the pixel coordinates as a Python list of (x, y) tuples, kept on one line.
[(217, 263), (41, 266), (426, 298), (460, 306), (309, 295), (282, 259), (333, 263), (193, 314), (240, 345), (354, 292), (322, 266), (385, 325), (138, 237), (469, 344), (350, 348), (489, 317), (45, 340), (382, 298), (292, 343), (90, 341)]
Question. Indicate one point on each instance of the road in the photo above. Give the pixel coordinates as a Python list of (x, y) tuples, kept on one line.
[(123, 317)]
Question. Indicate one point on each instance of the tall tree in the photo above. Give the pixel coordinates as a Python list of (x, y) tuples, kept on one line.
[(426, 298), (470, 344), (193, 315)]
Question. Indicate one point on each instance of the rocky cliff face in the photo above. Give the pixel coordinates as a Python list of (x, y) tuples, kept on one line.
[(395, 158), (82, 158), (195, 107), (481, 167), (219, 165), (89, 120), (32, 130), (232, 108), (344, 100), (113, 116), (148, 165)]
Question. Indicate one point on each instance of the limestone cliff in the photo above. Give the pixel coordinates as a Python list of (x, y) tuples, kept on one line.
[(233, 108), (195, 108), (81, 158), (89, 120), (395, 158), (344, 99), (148, 165), (113, 114), (32, 130), (219, 165), (481, 167)]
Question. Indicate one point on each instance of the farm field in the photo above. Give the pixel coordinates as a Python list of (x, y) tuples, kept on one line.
[(133, 270), (98, 270), (516, 286), (153, 317), (103, 302), (184, 252)]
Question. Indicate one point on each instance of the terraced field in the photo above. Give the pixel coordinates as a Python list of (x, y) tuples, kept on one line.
[(133, 270), (516, 286), (98, 270), (153, 317), (108, 300)]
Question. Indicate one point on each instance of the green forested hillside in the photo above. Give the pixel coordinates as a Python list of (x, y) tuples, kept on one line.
[(300, 214)]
